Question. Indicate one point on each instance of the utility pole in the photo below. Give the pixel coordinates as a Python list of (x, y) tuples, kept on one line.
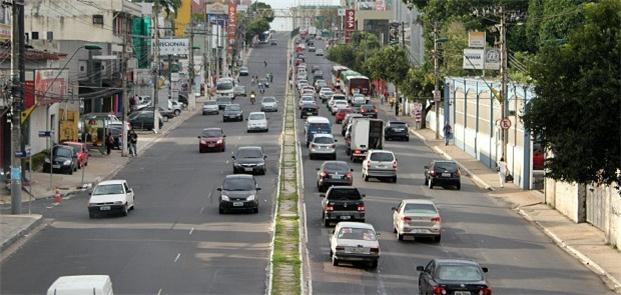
[(503, 77), (126, 97), (191, 61), (405, 104), (17, 60), (156, 62), (436, 74)]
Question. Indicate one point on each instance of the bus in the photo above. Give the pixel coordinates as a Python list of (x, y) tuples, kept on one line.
[(336, 74), (354, 82)]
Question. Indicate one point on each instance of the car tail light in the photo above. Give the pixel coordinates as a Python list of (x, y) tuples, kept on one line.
[(203, 141), (348, 174), (485, 291), (433, 173), (329, 207), (405, 218), (357, 152), (333, 145), (374, 250), (313, 145), (340, 248), (394, 164), (436, 219), (360, 207), (439, 290), (323, 174)]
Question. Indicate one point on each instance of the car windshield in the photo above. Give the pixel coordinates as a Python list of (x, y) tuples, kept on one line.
[(249, 153), (108, 189), (336, 167), (233, 107), (320, 126), (63, 152), (382, 157), (211, 133), (459, 273), (223, 99), (339, 97), (351, 233), (210, 103), (256, 117), (238, 184), (368, 107), (344, 194), (307, 98), (398, 125), (323, 139), (269, 99), (419, 208), (445, 166), (224, 85), (328, 93)]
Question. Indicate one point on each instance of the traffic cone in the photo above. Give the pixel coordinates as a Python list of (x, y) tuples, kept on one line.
[(58, 197)]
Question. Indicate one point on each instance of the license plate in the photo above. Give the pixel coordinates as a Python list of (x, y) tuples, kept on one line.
[(461, 292), (418, 230), (238, 204), (248, 169), (448, 175), (309, 113), (55, 166), (104, 208), (345, 217), (381, 166), (359, 250), (211, 145)]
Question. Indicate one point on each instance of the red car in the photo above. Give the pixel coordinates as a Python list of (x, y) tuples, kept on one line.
[(211, 139), (80, 151), (340, 115)]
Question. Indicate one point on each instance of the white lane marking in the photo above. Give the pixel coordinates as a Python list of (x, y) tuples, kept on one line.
[(381, 290), (159, 292), (191, 230), (202, 209), (177, 258)]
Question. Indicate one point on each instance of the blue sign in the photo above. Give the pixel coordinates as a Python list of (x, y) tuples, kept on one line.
[(46, 133), (16, 173)]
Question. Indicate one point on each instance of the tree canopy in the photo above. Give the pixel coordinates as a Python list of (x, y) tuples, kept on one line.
[(577, 111)]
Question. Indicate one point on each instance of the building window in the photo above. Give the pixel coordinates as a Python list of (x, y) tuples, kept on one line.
[(81, 68), (98, 19), (50, 36), (35, 35)]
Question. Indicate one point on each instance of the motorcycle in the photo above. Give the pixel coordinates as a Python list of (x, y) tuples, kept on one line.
[(252, 98)]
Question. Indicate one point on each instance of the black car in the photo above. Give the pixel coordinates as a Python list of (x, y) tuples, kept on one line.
[(143, 120), (342, 203), (368, 110), (334, 173), (273, 42), (453, 276), (249, 159), (397, 129), (314, 68), (63, 160), (223, 101), (232, 112), (238, 192), (308, 109), (442, 173)]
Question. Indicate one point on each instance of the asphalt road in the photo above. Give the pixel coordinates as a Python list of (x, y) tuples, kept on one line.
[(175, 242), (521, 259)]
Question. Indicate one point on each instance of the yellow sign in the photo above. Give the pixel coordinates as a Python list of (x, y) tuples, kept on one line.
[(184, 13), (26, 113), (68, 125)]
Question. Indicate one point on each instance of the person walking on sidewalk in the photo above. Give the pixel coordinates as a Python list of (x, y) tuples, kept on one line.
[(447, 133), (501, 168), (109, 142), (133, 142)]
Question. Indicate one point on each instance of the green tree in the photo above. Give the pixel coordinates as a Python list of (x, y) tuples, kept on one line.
[(342, 54), (256, 27), (328, 16), (169, 6), (577, 111), (261, 10), (388, 63)]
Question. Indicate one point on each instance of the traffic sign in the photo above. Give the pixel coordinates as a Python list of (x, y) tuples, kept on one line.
[(46, 133), (341, 12), (505, 123)]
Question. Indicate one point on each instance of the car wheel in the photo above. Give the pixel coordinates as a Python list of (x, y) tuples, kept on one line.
[(70, 172), (326, 222), (458, 186), (177, 112), (437, 239), (335, 262), (255, 210), (91, 215), (200, 151), (373, 264), (430, 182), (407, 139), (311, 157), (204, 113), (221, 211), (394, 179), (125, 210)]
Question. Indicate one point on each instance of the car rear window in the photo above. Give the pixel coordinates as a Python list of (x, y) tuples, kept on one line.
[(382, 157), (108, 189), (233, 107), (63, 152), (249, 153), (238, 184), (368, 107), (323, 140), (445, 166), (336, 167), (344, 194), (420, 208), (256, 117), (459, 273), (349, 233), (398, 124), (269, 99), (210, 103), (211, 133)]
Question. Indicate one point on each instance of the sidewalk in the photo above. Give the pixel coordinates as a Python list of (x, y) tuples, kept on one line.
[(582, 240), (100, 167)]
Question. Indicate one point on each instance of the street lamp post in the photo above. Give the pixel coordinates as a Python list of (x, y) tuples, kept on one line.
[(436, 74)]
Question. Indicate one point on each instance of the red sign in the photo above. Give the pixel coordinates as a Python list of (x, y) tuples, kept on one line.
[(50, 86), (231, 26), (505, 123), (29, 97), (349, 23)]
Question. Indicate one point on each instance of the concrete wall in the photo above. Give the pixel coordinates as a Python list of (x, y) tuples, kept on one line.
[(563, 197)]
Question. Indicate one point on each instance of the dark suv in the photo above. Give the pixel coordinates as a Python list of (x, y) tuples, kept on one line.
[(342, 203), (239, 192), (63, 160), (249, 159), (442, 173), (308, 109), (396, 129)]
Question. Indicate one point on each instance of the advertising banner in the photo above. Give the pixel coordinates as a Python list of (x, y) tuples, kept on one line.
[(179, 46), (476, 39), (217, 6), (349, 23), (50, 86), (231, 26), (473, 59)]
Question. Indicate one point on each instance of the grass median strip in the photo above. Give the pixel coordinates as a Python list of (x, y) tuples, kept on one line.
[(286, 256)]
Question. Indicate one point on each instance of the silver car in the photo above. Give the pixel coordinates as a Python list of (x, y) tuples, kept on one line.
[(380, 164), (355, 242), (210, 107), (322, 145), (417, 218), (269, 104)]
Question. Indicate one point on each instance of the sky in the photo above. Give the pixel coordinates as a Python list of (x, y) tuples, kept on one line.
[(284, 24)]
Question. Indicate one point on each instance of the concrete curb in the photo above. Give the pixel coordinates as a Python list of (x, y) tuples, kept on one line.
[(606, 277), (9, 242)]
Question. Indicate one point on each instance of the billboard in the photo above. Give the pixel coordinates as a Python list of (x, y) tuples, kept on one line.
[(217, 6), (476, 39), (473, 59), (349, 23), (178, 46), (231, 26), (50, 86)]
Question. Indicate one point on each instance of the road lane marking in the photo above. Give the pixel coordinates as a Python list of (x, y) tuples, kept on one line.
[(177, 258), (202, 209), (159, 292), (191, 230)]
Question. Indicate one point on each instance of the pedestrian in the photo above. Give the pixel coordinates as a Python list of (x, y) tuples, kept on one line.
[(109, 142), (265, 63), (501, 168), (448, 131), (133, 142)]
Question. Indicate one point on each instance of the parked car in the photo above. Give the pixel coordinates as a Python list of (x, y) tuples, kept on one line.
[(80, 151), (369, 111), (442, 173), (243, 71), (111, 196), (144, 120), (223, 101), (211, 107), (63, 160), (308, 109), (342, 203), (269, 104), (322, 145), (238, 192), (355, 242), (396, 129), (232, 112), (334, 173), (176, 107), (249, 159), (212, 139), (257, 121), (380, 164), (453, 276), (417, 218)]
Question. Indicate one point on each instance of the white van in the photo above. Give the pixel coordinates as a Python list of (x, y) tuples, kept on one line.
[(316, 125), (226, 87), (80, 285)]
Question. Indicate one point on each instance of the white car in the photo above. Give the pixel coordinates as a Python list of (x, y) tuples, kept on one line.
[(322, 145), (319, 52), (257, 121), (306, 99), (354, 242), (338, 104), (359, 99), (84, 284), (380, 164), (418, 218), (269, 104), (211, 107), (111, 196), (336, 97)]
